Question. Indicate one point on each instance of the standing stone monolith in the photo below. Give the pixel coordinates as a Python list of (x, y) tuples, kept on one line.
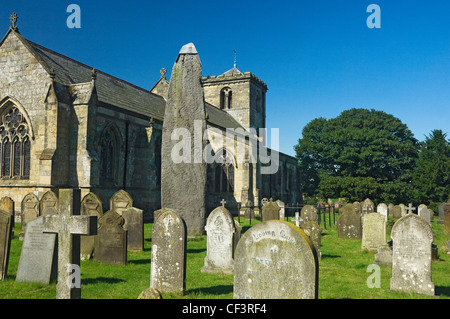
[(275, 260), (183, 174), (412, 237), (168, 266)]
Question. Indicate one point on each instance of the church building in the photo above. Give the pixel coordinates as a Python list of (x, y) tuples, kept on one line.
[(64, 124)]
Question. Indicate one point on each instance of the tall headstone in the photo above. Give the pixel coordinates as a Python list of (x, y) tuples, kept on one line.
[(29, 209), (168, 266), (220, 229), (314, 233), (134, 225), (120, 201), (6, 221), (69, 226), (270, 211), (183, 181), (308, 213), (39, 257), (91, 205), (349, 225), (275, 260), (111, 240), (374, 231), (383, 210), (411, 260), (48, 205)]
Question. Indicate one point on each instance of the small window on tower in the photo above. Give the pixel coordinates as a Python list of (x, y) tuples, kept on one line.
[(226, 96)]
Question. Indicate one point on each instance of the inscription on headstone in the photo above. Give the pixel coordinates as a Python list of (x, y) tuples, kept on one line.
[(111, 239), (374, 231)]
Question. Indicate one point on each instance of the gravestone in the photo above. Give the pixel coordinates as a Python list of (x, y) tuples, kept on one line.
[(48, 205), (111, 241), (308, 213), (69, 225), (390, 207), (270, 211), (39, 256), (383, 257), (7, 205), (168, 266), (425, 214), (275, 260), (441, 213), (297, 219), (410, 209), (403, 209), (314, 233), (411, 261), (91, 205), (220, 229), (134, 225), (383, 210), (120, 201), (183, 181), (447, 218), (237, 235), (357, 206), (420, 208), (349, 224), (282, 211), (6, 221), (29, 209), (374, 231), (396, 212), (367, 206)]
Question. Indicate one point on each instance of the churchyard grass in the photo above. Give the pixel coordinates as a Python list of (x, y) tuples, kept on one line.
[(342, 272)]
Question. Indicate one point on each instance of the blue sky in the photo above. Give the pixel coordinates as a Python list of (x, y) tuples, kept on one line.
[(318, 58)]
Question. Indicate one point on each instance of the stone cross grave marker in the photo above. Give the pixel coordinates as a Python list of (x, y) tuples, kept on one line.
[(68, 225), (29, 209), (111, 240), (410, 209), (39, 256), (91, 205), (168, 266), (275, 260), (297, 219), (5, 241), (220, 229), (411, 259)]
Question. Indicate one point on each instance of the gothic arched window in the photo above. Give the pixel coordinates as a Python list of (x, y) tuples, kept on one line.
[(224, 174), (109, 157), (14, 145), (226, 97)]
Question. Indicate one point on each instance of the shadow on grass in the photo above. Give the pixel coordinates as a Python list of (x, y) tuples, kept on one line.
[(330, 256), (440, 290), (217, 290), (139, 261), (91, 281), (195, 251)]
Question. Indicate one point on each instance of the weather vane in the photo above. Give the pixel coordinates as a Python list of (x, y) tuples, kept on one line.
[(13, 18), (235, 58)]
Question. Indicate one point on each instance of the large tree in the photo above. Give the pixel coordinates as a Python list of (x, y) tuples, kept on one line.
[(361, 153), (432, 177)]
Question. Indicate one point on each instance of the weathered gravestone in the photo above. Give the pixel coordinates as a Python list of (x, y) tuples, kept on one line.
[(48, 205), (425, 214), (308, 213), (349, 224), (367, 206), (69, 225), (314, 233), (134, 225), (447, 218), (411, 261), (91, 205), (7, 205), (390, 207), (383, 210), (120, 201), (420, 208), (29, 209), (6, 222), (111, 240), (374, 231), (39, 256), (396, 212), (220, 229), (441, 213), (168, 263), (357, 206), (282, 211), (403, 209), (275, 260), (183, 181), (270, 211)]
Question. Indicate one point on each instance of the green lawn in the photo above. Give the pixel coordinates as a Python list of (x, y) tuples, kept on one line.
[(342, 273)]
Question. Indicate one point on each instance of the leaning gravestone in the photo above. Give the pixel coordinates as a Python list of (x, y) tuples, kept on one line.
[(48, 204), (396, 212), (374, 231), (7, 205), (111, 240), (29, 209), (6, 222), (91, 205), (314, 233), (411, 261), (168, 266), (349, 224), (270, 211), (220, 229), (383, 210), (308, 213), (134, 225), (275, 260), (39, 257), (120, 201)]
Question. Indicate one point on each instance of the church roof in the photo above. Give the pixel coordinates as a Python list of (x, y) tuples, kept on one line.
[(233, 71)]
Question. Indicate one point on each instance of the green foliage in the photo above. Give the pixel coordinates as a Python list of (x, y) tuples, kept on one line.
[(361, 153)]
